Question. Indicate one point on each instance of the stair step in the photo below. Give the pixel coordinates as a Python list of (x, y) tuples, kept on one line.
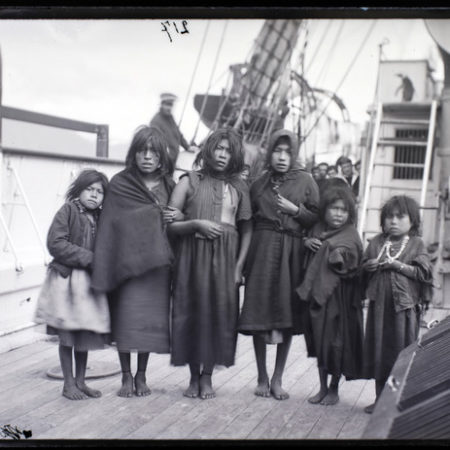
[(395, 142), (406, 121)]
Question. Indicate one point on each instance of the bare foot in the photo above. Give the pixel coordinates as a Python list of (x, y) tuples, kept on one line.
[(142, 390), (277, 391), (88, 391), (193, 390), (369, 409), (315, 399), (127, 385), (71, 392), (263, 389), (206, 389), (331, 398)]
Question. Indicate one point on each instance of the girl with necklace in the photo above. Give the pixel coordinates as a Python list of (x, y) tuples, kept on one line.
[(285, 204), (212, 246), (398, 281)]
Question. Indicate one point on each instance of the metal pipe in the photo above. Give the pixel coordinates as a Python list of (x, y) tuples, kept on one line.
[(30, 213), (373, 151), (428, 155), (19, 267)]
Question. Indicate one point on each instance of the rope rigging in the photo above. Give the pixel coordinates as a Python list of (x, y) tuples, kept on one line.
[(205, 98), (341, 82), (205, 33)]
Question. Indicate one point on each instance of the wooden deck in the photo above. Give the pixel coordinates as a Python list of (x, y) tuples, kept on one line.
[(32, 401)]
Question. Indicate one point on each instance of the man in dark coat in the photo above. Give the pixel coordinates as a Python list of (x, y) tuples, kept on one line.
[(164, 121)]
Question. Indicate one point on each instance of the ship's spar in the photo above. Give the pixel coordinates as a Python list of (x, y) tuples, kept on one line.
[(265, 90)]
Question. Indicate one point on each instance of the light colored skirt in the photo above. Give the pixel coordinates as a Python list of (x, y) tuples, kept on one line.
[(70, 304)]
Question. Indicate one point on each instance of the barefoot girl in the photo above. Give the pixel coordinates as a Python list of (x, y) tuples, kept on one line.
[(133, 257), (285, 203), (399, 280), (212, 246), (334, 326), (66, 303)]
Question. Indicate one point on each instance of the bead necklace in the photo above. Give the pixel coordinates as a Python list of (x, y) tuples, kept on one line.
[(387, 248)]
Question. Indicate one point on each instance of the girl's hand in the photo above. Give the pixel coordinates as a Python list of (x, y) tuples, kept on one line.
[(313, 244), (209, 229), (171, 214), (371, 265), (286, 205), (238, 278), (394, 265)]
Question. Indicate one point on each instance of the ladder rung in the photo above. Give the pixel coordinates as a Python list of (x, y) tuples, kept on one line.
[(406, 121), (396, 142), (420, 207), (417, 166), (386, 186)]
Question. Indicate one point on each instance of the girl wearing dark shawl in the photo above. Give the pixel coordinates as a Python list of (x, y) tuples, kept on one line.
[(285, 204), (334, 325), (133, 257), (398, 279), (212, 245)]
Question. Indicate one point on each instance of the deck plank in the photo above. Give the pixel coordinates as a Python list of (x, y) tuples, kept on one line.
[(31, 400)]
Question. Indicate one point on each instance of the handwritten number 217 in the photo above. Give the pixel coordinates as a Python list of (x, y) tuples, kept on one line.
[(167, 25)]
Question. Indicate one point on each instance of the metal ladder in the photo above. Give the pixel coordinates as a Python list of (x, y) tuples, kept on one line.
[(377, 143)]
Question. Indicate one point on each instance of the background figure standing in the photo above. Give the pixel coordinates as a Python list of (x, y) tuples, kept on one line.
[(347, 173), (285, 203), (164, 121), (133, 257)]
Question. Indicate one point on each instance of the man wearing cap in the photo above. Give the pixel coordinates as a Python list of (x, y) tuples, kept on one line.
[(164, 121)]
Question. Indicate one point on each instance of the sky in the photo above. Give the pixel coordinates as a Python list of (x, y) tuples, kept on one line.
[(113, 71)]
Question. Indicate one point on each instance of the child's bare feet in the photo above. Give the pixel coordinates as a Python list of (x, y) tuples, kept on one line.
[(127, 385), (331, 398), (87, 390), (315, 399), (369, 409), (277, 391), (142, 390), (71, 392), (193, 389), (263, 388), (206, 389)]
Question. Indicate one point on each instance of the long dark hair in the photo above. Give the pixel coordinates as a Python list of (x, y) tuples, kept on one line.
[(403, 205), (205, 158), (142, 137), (331, 195), (84, 180)]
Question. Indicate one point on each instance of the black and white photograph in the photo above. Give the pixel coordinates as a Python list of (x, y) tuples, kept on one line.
[(227, 225)]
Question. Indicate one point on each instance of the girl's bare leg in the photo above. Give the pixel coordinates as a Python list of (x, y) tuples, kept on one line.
[(333, 392), (280, 363), (206, 389), (70, 389), (127, 379), (323, 377), (263, 387), (140, 384), (379, 385), (193, 390), (80, 375)]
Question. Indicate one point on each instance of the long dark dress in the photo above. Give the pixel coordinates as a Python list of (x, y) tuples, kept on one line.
[(334, 325), (394, 309), (205, 296), (132, 263), (274, 267)]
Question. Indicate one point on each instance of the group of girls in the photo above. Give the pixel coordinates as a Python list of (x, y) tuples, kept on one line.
[(156, 267)]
